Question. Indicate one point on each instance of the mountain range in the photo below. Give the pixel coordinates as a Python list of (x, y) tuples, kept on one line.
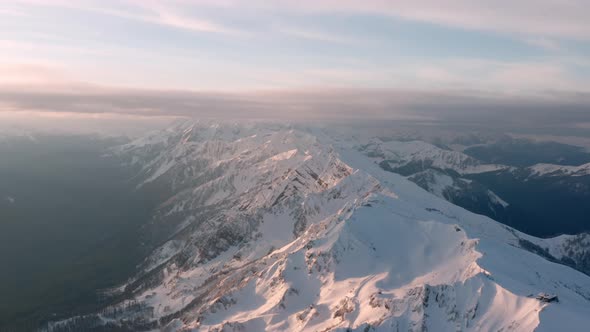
[(267, 227)]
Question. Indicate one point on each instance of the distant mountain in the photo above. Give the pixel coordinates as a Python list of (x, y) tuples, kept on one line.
[(273, 228), (540, 170), (443, 172), (541, 199), (408, 157)]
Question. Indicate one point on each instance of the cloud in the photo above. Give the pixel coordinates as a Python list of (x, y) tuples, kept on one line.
[(316, 35), (24, 122), (456, 106), (564, 19), (532, 77), (544, 43), (169, 14), (188, 23), (172, 15), (549, 18), (12, 12), (180, 61), (537, 21), (30, 73)]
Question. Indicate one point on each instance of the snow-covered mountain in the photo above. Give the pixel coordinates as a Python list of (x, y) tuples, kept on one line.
[(515, 195), (272, 228), (420, 155), (559, 170), (441, 171)]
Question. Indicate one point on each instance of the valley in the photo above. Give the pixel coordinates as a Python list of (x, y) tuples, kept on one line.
[(70, 228)]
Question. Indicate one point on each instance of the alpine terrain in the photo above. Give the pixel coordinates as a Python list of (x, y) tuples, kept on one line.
[(265, 227)]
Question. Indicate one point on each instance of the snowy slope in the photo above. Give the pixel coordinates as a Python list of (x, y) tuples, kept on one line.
[(450, 188), (438, 170), (571, 250), (275, 229)]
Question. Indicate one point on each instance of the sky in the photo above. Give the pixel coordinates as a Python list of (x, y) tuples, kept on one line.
[(329, 58)]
